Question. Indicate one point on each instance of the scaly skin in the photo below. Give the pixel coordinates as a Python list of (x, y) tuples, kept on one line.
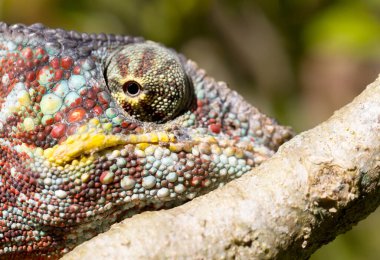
[(96, 128)]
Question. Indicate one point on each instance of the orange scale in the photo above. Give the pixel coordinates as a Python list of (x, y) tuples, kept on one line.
[(66, 63), (76, 115)]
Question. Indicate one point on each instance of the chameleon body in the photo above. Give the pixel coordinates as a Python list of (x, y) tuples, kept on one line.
[(96, 128)]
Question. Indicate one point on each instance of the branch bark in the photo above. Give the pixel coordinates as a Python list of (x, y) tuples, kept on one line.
[(317, 186)]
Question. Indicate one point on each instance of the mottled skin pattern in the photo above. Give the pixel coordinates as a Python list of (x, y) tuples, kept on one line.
[(95, 128)]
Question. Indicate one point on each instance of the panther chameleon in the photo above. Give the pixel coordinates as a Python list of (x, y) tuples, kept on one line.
[(97, 127)]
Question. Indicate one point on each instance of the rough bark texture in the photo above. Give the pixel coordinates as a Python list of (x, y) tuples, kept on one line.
[(317, 186)]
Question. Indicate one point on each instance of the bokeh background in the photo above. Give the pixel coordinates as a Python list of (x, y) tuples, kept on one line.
[(296, 60)]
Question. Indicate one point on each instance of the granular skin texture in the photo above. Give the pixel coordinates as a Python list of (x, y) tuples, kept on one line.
[(95, 128)]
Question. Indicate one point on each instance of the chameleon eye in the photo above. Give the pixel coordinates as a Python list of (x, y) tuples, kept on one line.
[(132, 88), (149, 82)]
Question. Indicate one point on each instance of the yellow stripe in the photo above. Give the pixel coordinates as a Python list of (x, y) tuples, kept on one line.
[(88, 143)]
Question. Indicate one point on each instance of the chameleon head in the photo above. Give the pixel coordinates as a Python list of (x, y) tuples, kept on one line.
[(94, 128), (149, 82)]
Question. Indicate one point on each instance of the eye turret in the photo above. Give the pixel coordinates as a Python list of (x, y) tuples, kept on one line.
[(149, 82)]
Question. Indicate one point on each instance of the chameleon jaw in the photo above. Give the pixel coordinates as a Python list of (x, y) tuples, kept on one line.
[(89, 143)]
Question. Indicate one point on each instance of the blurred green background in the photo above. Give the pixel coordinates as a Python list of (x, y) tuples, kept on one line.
[(297, 60)]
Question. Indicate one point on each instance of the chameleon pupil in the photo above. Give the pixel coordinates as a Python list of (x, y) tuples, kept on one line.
[(132, 88)]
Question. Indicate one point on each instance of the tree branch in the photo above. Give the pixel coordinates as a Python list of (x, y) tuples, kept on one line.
[(317, 186)]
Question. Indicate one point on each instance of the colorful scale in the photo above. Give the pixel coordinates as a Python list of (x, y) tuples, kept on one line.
[(78, 154)]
